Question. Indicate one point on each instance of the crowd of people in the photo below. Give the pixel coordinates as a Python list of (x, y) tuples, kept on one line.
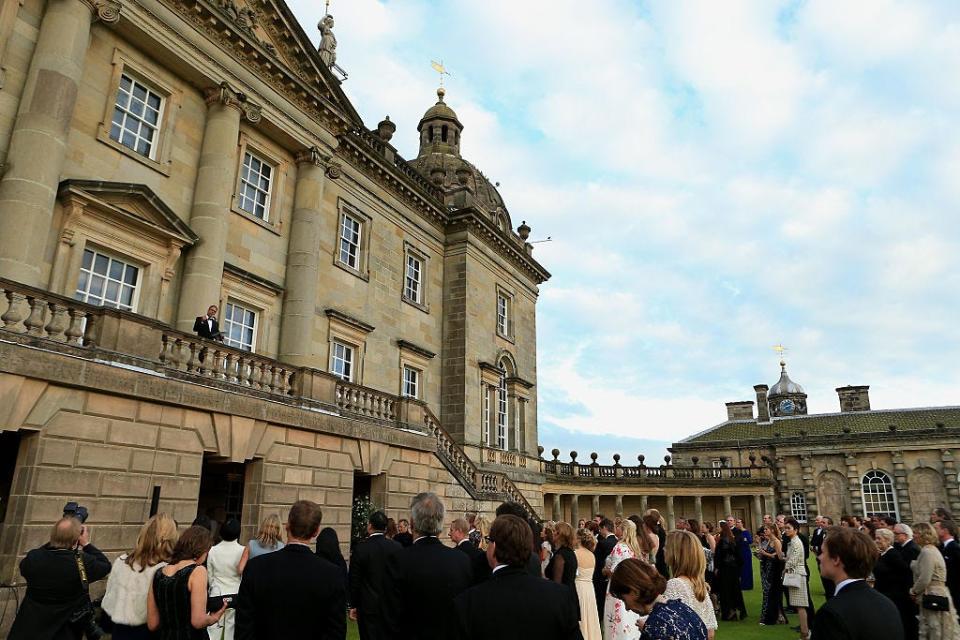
[(505, 577)]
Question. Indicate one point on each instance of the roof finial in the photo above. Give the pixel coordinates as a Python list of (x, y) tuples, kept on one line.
[(442, 70), (780, 349)]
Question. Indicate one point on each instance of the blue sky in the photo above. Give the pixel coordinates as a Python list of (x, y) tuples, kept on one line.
[(717, 178)]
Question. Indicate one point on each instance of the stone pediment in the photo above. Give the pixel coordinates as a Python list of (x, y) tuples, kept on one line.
[(268, 39), (133, 204)]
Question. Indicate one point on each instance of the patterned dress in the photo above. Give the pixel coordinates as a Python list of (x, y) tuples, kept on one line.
[(619, 623), (673, 620)]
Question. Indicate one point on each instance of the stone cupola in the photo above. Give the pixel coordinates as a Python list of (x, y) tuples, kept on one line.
[(440, 129), (786, 397)]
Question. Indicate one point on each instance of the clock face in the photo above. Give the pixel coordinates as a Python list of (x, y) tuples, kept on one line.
[(787, 406)]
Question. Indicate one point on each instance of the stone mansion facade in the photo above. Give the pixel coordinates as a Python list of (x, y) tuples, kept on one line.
[(378, 314)]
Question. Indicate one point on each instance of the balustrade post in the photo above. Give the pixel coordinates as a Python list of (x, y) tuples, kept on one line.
[(56, 327), (34, 321), (727, 508), (74, 332), (12, 316)]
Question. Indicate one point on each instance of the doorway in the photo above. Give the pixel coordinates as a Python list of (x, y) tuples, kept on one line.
[(221, 490), (9, 448)]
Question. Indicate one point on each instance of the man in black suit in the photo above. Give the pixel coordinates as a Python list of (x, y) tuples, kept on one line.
[(606, 541), (293, 593), (904, 543), (460, 534), (856, 612), (368, 580), (55, 591), (404, 537), (950, 548), (536, 608), (816, 545), (426, 576), (207, 326)]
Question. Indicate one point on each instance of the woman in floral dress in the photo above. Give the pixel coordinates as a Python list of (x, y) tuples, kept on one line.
[(619, 623)]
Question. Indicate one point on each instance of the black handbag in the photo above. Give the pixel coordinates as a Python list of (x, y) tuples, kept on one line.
[(931, 602)]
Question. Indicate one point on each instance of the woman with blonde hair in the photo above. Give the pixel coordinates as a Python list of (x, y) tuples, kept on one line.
[(268, 540), (620, 623), (482, 525), (929, 583), (586, 561), (126, 598), (688, 566)]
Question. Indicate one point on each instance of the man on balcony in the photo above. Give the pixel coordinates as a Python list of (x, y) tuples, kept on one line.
[(207, 326)]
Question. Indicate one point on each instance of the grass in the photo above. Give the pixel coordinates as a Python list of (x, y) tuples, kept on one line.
[(748, 629)]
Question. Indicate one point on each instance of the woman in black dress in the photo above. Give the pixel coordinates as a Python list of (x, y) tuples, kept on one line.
[(893, 578), (562, 567), (328, 548), (770, 552), (177, 600), (728, 567)]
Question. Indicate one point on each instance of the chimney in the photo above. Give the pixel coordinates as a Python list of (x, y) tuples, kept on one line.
[(763, 409), (854, 398), (742, 410)]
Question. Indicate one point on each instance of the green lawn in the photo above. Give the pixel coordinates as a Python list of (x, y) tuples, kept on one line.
[(748, 629)]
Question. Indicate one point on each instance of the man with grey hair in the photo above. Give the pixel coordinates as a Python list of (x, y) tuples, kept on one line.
[(427, 576), (903, 542)]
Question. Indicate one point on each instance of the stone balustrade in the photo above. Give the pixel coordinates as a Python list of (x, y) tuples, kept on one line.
[(366, 402), (562, 471), (36, 313), (208, 359)]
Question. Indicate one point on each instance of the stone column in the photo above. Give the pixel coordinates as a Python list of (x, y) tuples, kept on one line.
[(900, 483), (557, 509), (618, 505), (727, 507), (210, 215), (671, 517), (38, 142), (757, 513), (303, 261), (950, 479), (698, 508), (574, 509), (643, 505), (594, 505), (769, 505)]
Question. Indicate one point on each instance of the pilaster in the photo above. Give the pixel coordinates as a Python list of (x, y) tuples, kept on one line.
[(853, 484), (900, 485), (950, 479)]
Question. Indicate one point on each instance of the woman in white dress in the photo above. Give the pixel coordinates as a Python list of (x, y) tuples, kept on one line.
[(586, 561), (546, 546), (223, 568), (619, 623), (688, 566)]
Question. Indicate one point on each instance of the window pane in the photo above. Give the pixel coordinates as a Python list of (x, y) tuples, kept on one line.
[(84, 279), (96, 286), (130, 276), (87, 258), (113, 291), (116, 269), (100, 264)]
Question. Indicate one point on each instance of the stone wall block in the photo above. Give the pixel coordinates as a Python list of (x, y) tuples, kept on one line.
[(341, 462), (300, 438), (327, 479), (178, 488), (98, 456), (54, 451), (316, 495), (179, 440), (111, 406), (53, 401), (127, 485), (202, 423), (279, 494), (293, 475), (272, 473), (314, 458), (150, 412), (190, 465), (171, 416), (284, 454), (133, 433), (328, 442), (339, 497), (79, 426), (70, 483), (18, 395), (271, 435)]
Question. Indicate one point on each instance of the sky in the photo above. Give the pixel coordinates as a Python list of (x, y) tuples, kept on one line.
[(716, 177)]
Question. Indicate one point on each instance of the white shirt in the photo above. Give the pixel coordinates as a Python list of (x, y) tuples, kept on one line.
[(845, 583), (210, 323), (498, 567)]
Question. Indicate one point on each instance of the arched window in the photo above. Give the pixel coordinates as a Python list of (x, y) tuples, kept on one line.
[(443, 133), (502, 411), (798, 506), (878, 496)]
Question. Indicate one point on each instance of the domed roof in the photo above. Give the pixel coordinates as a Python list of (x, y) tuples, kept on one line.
[(785, 386), (447, 170), (439, 111)]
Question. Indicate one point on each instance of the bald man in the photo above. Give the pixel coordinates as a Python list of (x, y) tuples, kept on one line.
[(55, 590)]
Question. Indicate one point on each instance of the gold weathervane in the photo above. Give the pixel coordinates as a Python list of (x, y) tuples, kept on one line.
[(780, 349), (439, 68)]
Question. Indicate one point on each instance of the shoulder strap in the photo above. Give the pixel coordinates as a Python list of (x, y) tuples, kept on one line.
[(83, 571)]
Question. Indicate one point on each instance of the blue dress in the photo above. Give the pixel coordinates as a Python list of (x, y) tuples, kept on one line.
[(673, 620), (746, 554)]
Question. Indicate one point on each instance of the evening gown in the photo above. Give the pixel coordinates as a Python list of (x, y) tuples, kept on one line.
[(173, 603), (619, 623), (771, 575), (589, 619)]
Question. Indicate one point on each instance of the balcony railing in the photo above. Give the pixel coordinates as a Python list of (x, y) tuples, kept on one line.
[(664, 473), (39, 318)]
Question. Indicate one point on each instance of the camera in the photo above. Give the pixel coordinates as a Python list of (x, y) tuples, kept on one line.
[(74, 510)]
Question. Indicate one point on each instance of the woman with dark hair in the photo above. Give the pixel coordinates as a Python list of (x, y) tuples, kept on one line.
[(640, 586), (223, 567), (328, 548), (177, 599), (391, 531), (562, 567), (729, 564), (770, 552), (795, 574)]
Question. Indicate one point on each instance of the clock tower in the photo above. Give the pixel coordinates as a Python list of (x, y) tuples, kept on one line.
[(786, 398)]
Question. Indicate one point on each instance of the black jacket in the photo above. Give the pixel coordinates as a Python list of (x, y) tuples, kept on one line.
[(202, 328), (600, 552), (291, 593), (54, 591), (478, 560), (816, 540), (951, 556), (369, 584), (910, 551), (858, 612), (426, 577), (513, 605), (893, 578)]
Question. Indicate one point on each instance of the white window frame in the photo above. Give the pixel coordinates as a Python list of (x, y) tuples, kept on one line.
[(487, 418), (127, 115), (411, 382), (83, 294), (716, 467), (798, 506), (503, 313), (228, 322), (357, 244), (503, 412), (347, 358), (245, 183), (877, 490), (413, 283)]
